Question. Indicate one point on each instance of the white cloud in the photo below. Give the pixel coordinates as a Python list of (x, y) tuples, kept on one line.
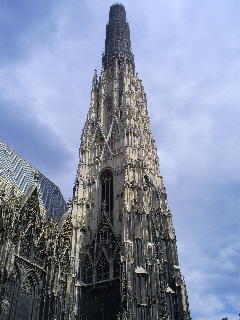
[(220, 316), (206, 306)]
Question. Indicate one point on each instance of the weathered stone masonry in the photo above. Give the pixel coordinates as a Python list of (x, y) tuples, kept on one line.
[(124, 245)]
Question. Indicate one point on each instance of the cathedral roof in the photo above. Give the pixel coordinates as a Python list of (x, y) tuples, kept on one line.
[(17, 172)]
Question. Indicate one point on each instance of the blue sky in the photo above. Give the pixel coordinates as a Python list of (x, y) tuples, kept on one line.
[(187, 53)]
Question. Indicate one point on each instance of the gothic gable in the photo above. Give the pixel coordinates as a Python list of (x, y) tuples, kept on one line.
[(103, 251)]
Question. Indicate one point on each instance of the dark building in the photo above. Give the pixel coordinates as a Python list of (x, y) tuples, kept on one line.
[(35, 235), (125, 263), (112, 254), (34, 258)]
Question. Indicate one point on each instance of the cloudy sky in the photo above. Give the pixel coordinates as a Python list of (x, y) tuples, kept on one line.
[(187, 52)]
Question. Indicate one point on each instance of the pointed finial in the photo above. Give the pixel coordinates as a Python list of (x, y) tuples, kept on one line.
[(2, 193), (13, 191), (69, 204), (95, 80), (36, 177), (104, 206)]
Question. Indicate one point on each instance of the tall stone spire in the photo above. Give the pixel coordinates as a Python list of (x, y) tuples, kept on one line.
[(124, 254), (117, 43)]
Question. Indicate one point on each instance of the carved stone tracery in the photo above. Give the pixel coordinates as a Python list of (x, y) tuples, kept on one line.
[(128, 225), (34, 258)]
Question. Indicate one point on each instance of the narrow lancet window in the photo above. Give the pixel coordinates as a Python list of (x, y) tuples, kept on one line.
[(109, 113), (107, 192)]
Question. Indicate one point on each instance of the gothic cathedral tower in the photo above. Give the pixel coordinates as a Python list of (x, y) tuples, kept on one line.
[(125, 263)]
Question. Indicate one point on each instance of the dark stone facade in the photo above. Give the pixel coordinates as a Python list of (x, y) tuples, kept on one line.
[(117, 43), (125, 262), (34, 259)]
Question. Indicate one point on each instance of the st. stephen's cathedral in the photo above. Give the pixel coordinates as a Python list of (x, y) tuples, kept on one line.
[(110, 253)]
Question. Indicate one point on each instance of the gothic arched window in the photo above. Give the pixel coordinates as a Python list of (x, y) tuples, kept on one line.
[(109, 113), (87, 271), (27, 304), (116, 265), (12, 293), (107, 192), (102, 269)]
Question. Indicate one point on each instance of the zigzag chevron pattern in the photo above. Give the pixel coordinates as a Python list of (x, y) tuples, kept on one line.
[(15, 171)]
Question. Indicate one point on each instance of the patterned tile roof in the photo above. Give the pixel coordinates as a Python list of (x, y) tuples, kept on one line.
[(17, 172)]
